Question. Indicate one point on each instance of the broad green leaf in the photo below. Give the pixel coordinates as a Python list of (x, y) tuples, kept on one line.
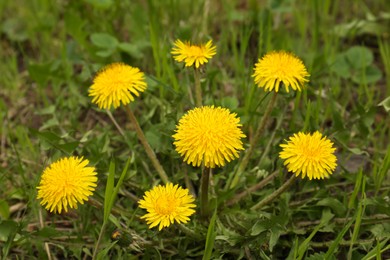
[(8, 231), (104, 41), (359, 57), (4, 209), (369, 75), (338, 207), (340, 66), (229, 102), (131, 49), (105, 53)]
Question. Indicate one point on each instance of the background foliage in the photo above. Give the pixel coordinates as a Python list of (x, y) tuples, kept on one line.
[(50, 51)]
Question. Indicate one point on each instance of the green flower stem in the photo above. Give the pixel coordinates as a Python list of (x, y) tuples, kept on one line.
[(255, 187), (147, 147), (204, 192), (99, 239), (255, 138), (198, 88), (115, 122), (275, 194)]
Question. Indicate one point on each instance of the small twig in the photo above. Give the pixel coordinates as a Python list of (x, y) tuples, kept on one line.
[(115, 122), (255, 187), (148, 149), (275, 194)]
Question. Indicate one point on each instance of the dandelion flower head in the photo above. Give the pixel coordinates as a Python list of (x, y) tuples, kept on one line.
[(167, 204), (280, 66), (193, 54), (66, 182), (115, 84), (309, 155), (208, 134)]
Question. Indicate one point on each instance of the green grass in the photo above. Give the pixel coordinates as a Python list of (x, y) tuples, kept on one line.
[(50, 52)]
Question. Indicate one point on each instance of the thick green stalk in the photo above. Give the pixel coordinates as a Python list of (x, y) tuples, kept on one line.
[(204, 192), (147, 147), (198, 88), (255, 138)]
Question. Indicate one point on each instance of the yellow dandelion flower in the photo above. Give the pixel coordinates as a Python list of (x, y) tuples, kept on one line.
[(193, 54), (208, 134), (115, 84), (280, 66), (309, 155), (65, 183), (167, 204)]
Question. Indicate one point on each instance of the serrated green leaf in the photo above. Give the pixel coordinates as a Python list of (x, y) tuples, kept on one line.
[(259, 227)]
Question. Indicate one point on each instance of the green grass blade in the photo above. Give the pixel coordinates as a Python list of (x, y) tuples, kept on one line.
[(326, 217), (351, 203), (383, 170), (336, 242), (210, 238), (109, 190), (118, 185), (377, 251), (359, 216)]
